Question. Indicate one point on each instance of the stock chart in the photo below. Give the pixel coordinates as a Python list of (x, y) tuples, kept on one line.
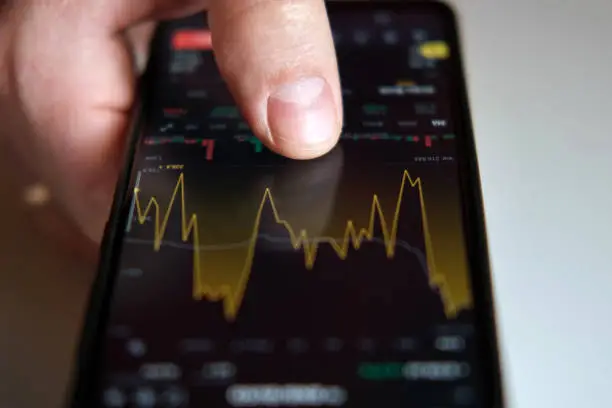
[(223, 275)]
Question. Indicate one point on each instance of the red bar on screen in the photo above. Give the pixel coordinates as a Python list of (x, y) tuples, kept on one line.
[(193, 40), (209, 144)]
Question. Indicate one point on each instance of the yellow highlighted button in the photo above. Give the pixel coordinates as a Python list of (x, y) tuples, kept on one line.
[(437, 50)]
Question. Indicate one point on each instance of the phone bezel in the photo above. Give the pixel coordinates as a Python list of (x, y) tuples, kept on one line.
[(84, 380)]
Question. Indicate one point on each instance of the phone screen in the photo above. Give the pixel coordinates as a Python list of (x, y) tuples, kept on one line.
[(247, 279)]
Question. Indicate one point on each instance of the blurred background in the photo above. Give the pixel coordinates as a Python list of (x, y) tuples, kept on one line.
[(539, 82)]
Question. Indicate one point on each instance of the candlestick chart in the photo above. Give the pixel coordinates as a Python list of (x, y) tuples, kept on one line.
[(224, 277)]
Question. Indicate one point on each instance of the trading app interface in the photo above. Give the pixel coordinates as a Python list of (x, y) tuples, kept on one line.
[(248, 279)]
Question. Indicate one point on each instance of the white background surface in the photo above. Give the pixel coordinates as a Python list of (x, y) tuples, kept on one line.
[(540, 82)]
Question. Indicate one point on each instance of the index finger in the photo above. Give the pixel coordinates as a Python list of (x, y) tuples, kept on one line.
[(278, 59)]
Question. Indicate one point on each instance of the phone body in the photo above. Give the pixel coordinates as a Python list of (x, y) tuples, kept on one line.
[(230, 276)]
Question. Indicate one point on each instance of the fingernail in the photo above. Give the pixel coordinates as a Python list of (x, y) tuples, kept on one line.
[(303, 113)]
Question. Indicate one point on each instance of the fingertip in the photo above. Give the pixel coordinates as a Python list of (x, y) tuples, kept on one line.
[(302, 118), (280, 64)]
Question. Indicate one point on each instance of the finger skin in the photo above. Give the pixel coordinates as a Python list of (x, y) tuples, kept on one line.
[(67, 77), (262, 46), (73, 82)]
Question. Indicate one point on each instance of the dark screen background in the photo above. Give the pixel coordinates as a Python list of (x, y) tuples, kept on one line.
[(249, 279)]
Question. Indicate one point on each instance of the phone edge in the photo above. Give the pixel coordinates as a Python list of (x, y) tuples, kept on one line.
[(82, 382)]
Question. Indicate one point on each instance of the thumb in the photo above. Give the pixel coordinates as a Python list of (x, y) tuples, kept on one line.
[(69, 93)]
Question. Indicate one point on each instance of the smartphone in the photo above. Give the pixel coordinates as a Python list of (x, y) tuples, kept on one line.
[(233, 277)]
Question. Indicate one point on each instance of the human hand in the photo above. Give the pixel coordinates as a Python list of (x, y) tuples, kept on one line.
[(67, 83)]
